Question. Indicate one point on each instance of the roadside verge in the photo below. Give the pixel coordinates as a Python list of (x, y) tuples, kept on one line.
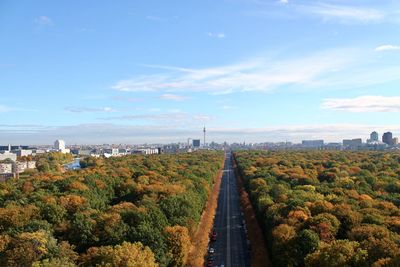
[(200, 240)]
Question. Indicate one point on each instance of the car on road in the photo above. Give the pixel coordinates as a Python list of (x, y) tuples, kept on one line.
[(214, 236), (209, 263), (211, 250)]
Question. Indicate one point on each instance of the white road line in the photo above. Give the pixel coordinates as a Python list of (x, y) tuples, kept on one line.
[(228, 230)]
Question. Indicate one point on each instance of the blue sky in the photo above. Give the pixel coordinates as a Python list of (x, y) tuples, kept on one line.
[(157, 71)]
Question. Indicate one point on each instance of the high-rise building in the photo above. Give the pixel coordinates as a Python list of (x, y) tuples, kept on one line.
[(196, 143), (374, 137), (312, 143), (387, 138), (59, 144)]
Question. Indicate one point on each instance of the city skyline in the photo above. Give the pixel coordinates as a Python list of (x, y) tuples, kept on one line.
[(184, 139), (157, 72)]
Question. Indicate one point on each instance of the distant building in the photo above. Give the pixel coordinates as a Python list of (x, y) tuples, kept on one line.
[(145, 151), (21, 166), (387, 138), (5, 168), (59, 145), (123, 151), (196, 143), (312, 143), (39, 151), (8, 155), (374, 137), (111, 152), (31, 164), (333, 146), (395, 141), (352, 143), (23, 152)]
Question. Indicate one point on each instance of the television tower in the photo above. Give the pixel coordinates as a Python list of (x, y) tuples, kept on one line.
[(204, 136)]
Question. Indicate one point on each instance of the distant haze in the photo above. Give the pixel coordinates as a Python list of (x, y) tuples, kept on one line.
[(109, 133)]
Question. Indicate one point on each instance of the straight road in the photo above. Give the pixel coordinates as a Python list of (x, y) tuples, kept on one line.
[(231, 248)]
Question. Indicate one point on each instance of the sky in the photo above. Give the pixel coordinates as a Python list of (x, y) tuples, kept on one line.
[(155, 71)]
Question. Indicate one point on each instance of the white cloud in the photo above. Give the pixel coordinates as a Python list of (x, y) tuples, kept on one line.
[(387, 47), (344, 13), (259, 74), (43, 21), (177, 118), (174, 97), (87, 109), (335, 11), (364, 104), (219, 35)]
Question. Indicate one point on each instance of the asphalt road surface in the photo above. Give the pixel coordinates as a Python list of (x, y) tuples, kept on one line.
[(230, 247)]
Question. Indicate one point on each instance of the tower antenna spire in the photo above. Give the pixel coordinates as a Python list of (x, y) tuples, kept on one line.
[(204, 136)]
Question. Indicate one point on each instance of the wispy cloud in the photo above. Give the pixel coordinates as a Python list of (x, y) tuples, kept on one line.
[(343, 13), (387, 47), (128, 99), (169, 118), (259, 74), (88, 109), (218, 35), (364, 104), (174, 97), (43, 21)]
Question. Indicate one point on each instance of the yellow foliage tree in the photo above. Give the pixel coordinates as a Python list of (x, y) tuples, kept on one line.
[(179, 243), (124, 255), (72, 202)]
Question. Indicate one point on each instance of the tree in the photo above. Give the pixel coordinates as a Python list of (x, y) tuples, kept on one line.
[(282, 248), (81, 232), (326, 225), (339, 253), (178, 241), (124, 255), (26, 248), (307, 242)]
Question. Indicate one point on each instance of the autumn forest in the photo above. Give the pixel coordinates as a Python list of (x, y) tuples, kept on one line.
[(127, 211), (315, 208), (320, 208)]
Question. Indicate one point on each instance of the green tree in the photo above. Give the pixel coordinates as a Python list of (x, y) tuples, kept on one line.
[(340, 253)]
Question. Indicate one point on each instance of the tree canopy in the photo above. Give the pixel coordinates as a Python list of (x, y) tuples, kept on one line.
[(139, 210), (326, 208)]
